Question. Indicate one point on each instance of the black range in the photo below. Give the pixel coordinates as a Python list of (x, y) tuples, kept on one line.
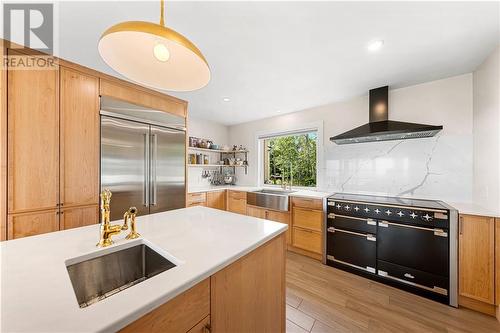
[(407, 243)]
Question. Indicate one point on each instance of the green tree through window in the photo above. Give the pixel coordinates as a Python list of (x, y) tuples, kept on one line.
[(290, 158)]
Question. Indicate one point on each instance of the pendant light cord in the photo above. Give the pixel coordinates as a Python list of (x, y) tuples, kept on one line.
[(162, 15)]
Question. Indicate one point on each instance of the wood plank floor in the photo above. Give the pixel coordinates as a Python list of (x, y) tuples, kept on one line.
[(324, 299)]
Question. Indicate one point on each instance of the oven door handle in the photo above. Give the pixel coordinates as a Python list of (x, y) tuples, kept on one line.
[(369, 221), (436, 231), (369, 237)]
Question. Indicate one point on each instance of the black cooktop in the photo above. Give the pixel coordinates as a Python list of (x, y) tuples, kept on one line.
[(389, 200)]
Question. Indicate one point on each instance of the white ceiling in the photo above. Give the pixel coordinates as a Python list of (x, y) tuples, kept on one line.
[(289, 56)]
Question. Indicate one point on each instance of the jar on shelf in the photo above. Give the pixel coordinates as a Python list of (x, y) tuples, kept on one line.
[(192, 158), (205, 159)]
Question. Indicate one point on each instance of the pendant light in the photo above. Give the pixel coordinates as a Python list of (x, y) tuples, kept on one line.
[(154, 55)]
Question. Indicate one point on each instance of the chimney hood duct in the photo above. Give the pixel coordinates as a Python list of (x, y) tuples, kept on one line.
[(380, 128)]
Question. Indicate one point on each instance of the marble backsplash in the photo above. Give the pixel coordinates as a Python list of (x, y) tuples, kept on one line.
[(434, 168)]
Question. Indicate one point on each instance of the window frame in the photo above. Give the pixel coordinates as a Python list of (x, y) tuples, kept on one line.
[(312, 127)]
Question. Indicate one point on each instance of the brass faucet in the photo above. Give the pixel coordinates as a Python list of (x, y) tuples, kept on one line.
[(107, 230), (130, 216)]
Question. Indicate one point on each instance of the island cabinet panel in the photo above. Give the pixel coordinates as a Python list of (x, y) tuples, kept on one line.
[(75, 217), (476, 260), (33, 139), (30, 224), (79, 138), (249, 295), (237, 202), (134, 94), (178, 315), (196, 199), (216, 199)]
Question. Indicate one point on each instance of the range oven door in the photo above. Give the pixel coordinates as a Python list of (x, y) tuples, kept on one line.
[(413, 255), (353, 249)]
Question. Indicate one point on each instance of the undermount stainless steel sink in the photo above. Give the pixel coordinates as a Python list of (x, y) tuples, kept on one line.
[(97, 278), (269, 198)]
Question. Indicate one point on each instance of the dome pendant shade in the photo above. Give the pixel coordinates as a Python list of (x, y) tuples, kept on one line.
[(154, 55)]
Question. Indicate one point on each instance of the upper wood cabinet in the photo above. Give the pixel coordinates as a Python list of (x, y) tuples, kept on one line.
[(216, 199), (477, 258), (33, 139), (133, 94), (79, 138)]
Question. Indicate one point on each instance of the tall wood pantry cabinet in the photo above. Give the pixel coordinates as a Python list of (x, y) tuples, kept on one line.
[(53, 150)]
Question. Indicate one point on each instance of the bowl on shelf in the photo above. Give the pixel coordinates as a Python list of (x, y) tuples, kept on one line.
[(215, 146)]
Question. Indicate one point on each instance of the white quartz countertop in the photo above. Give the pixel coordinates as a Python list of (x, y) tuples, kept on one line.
[(314, 194), (36, 291), (474, 209)]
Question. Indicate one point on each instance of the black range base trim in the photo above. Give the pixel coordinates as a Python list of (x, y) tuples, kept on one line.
[(402, 286)]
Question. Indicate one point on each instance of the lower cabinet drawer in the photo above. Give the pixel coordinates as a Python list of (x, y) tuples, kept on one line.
[(352, 249), (197, 197), (419, 279), (307, 240), (179, 315), (308, 218)]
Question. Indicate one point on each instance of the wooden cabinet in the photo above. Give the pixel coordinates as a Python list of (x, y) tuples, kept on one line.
[(249, 295), (307, 226), (273, 215), (307, 240), (246, 296), (196, 199), (216, 199), (33, 139), (79, 138), (75, 217), (33, 223), (237, 201), (477, 258), (308, 218), (256, 212), (282, 217), (179, 315), (145, 97)]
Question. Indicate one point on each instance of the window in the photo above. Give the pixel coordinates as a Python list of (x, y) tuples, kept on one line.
[(291, 159)]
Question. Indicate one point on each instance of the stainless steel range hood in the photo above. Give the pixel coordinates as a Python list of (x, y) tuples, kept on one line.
[(380, 128)]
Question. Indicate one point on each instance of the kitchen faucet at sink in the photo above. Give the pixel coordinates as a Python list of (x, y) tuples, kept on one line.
[(108, 230)]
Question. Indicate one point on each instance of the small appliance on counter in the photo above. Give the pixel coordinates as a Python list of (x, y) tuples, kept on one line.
[(410, 244)]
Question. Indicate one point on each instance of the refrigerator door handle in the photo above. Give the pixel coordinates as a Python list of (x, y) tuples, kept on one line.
[(146, 170), (154, 166)]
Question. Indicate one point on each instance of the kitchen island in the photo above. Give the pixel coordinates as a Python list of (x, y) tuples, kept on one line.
[(231, 254)]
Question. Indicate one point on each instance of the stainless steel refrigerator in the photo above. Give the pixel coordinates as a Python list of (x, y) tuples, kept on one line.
[(142, 158)]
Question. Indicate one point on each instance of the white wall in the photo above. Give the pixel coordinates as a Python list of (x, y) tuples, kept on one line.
[(487, 132), (438, 167), (205, 129)]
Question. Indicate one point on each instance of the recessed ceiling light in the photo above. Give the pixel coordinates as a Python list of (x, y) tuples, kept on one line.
[(278, 111), (375, 45), (226, 99)]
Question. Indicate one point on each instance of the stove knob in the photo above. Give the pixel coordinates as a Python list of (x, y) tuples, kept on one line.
[(339, 206), (401, 214), (366, 209), (413, 215), (377, 211), (356, 208), (347, 207), (388, 212)]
